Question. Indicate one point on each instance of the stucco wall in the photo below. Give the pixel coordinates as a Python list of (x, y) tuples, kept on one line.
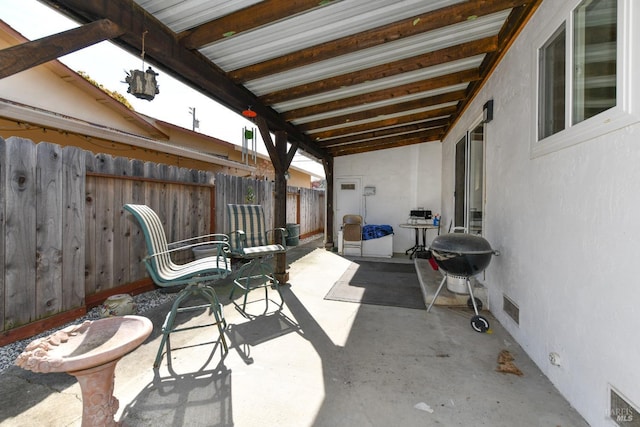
[(404, 177), (567, 228)]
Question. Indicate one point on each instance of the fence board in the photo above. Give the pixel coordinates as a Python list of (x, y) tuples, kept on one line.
[(3, 180), (104, 223), (48, 229), (137, 248), (20, 232), (123, 193), (73, 243), (90, 226)]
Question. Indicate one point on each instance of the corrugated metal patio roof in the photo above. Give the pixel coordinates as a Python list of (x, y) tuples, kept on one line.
[(340, 77)]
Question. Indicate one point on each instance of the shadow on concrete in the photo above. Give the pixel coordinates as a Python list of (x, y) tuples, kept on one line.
[(182, 399)]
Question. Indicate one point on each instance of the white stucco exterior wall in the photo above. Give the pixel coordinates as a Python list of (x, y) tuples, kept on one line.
[(404, 177), (566, 225)]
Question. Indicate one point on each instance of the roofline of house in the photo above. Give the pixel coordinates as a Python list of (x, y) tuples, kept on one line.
[(48, 119)]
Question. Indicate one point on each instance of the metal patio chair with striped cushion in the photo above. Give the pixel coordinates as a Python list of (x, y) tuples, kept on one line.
[(250, 241), (197, 275)]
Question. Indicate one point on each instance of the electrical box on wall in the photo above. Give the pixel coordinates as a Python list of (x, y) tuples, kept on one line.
[(369, 191)]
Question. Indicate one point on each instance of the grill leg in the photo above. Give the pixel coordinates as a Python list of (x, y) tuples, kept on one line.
[(444, 279), (473, 300)]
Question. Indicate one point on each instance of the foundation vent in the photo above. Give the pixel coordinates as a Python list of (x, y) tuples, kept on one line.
[(511, 309), (622, 412)]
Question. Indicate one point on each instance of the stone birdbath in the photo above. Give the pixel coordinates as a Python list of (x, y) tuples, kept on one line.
[(89, 352)]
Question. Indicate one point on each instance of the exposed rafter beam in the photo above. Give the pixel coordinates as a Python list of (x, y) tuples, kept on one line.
[(30, 54), (251, 17), (382, 111), (385, 143), (407, 27), (453, 53), (383, 95), (406, 131), (389, 122)]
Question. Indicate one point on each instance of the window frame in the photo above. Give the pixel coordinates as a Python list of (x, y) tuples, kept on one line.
[(627, 108)]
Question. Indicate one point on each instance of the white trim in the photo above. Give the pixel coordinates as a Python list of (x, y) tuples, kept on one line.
[(48, 119), (627, 110)]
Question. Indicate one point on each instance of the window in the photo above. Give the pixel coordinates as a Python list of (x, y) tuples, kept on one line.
[(552, 85), (584, 67), (594, 58)]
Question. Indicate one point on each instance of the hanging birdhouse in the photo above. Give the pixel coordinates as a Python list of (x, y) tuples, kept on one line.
[(143, 84)]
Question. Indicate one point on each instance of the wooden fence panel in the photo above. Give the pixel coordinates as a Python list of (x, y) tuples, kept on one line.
[(304, 206), (20, 232), (64, 236), (3, 179), (48, 230), (73, 243)]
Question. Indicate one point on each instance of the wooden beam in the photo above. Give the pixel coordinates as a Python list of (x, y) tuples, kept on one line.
[(453, 53), (328, 200), (255, 16), (30, 54), (407, 131), (386, 94), (163, 49), (440, 18), (280, 201), (381, 145), (388, 122), (380, 112)]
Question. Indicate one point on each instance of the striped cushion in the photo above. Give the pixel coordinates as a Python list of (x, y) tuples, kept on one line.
[(250, 220)]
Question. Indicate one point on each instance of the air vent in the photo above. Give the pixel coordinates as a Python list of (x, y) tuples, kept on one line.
[(511, 309), (622, 412)]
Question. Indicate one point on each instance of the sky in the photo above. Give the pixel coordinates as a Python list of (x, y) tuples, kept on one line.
[(107, 64)]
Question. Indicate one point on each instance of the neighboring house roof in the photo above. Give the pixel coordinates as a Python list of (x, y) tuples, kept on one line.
[(150, 136)]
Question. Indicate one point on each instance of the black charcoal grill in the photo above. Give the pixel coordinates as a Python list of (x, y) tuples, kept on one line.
[(463, 255)]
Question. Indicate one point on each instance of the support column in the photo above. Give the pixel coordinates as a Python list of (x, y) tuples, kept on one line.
[(280, 201), (328, 172)]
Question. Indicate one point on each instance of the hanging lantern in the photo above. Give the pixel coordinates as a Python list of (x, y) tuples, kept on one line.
[(249, 113), (142, 84)]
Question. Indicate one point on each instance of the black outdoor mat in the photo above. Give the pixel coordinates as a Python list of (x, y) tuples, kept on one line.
[(379, 283)]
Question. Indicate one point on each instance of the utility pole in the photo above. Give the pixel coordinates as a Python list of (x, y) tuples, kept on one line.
[(195, 122)]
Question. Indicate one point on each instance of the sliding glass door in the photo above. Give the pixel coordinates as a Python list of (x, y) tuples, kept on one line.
[(469, 180)]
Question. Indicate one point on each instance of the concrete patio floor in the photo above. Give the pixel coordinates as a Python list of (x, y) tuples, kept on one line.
[(314, 363)]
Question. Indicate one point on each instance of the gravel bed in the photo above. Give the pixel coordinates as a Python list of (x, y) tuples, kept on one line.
[(144, 302)]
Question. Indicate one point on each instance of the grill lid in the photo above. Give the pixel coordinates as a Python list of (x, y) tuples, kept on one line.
[(461, 243)]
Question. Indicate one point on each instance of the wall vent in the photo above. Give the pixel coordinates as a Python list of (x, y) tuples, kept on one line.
[(622, 412), (511, 309)]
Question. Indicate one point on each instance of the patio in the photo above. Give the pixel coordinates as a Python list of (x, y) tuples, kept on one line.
[(315, 363)]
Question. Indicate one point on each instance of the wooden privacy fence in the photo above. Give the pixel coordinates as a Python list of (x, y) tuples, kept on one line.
[(66, 243), (305, 206)]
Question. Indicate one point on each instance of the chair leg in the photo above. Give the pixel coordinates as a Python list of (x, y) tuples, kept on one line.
[(167, 326), (263, 275), (266, 271), (198, 290)]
